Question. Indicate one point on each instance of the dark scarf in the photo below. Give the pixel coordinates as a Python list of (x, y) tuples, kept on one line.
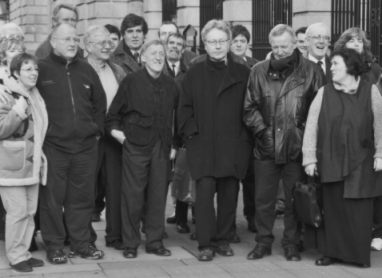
[(285, 66)]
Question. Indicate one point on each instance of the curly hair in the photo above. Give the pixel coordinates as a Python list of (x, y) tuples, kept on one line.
[(352, 59)]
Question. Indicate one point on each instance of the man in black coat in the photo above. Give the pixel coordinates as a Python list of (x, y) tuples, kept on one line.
[(141, 119), (217, 142), (279, 93)]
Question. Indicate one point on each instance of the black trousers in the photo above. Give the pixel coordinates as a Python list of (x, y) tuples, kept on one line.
[(211, 229), (109, 187), (68, 196), (249, 192), (377, 217), (267, 178), (143, 193)]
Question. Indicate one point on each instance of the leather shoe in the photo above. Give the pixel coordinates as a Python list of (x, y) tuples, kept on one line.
[(171, 220), (22, 266), (324, 261), (224, 250), (116, 244), (160, 251), (259, 251), (291, 253), (33, 262), (182, 228), (130, 253), (206, 255)]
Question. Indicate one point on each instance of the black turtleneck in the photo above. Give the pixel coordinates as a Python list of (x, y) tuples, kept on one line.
[(216, 71)]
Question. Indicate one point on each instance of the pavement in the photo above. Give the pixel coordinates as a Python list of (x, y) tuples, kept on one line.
[(183, 262)]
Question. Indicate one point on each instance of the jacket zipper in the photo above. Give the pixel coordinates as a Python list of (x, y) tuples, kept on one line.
[(71, 91)]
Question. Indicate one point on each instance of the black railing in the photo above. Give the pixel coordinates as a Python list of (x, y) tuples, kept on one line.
[(168, 10), (209, 9)]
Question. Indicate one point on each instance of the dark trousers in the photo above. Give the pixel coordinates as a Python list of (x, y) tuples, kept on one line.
[(100, 181), (181, 211), (211, 229), (377, 217), (249, 192), (109, 186), (267, 177), (68, 196), (143, 192)]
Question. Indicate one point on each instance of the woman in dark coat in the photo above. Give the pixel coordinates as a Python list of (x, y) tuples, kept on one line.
[(355, 38), (217, 142), (343, 146)]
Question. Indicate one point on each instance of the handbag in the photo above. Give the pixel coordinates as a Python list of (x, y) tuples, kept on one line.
[(307, 202), (183, 185)]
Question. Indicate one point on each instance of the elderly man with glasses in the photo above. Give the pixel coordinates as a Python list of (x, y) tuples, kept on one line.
[(75, 101)]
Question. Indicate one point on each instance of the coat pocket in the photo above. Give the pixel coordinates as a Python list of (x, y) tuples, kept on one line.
[(12, 155)]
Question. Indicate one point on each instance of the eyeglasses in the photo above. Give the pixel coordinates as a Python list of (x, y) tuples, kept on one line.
[(103, 44), (320, 37), (215, 43), (69, 39)]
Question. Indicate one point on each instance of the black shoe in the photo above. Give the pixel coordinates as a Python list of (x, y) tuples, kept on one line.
[(251, 224), (56, 256), (235, 238), (224, 250), (22, 267), (130, 253), (324, 261), (259, 251), (91, 253), (96, 217), (206, 254), (291, 253), (33, 247), (182, 228), (33, 262), (160, 251), (171, 220), (116, 244)]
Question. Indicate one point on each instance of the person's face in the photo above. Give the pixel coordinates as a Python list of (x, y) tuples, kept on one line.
[(65, 42), (355, 43), (282, 46), (318, 42), (100, 45), (66, 16), (301, 43), (28, 74), (338, 69), (153, 59), (165, 30), (114, 38), (134, 37), (174, 48), (239, 45), (217, 44)]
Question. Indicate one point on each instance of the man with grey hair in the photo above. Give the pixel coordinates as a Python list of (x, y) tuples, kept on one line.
[(279, 93), (216, 139), (108, 184), (318, 41), (141, 120), (62, 13)]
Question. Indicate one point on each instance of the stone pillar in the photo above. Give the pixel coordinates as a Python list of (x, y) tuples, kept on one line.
[(188, 12), (153, 15), (306, 12), (34, 18), (135, 6)]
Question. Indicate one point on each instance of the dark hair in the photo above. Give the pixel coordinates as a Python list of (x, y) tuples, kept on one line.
[(167, 22), (240, 30), (301, 30), (176, 35), (19, 60), (113, 30), (350, 33), (133, 20), (352, 59)]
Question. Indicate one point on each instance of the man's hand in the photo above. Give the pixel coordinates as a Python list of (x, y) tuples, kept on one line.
[(377, 164), (311, 170), (118, 135), (172, 154)]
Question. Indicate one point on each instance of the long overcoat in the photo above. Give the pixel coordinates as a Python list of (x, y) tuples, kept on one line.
[(217, 141)]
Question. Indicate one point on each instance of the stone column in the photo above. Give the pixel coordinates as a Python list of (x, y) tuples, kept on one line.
[(306, 12), (153, 15), (135, 6), (188, 12)]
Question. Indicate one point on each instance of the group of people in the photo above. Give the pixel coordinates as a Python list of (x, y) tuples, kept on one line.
[(82, 125)]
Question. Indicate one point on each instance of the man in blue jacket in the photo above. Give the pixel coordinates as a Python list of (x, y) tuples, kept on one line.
[(76, 105)]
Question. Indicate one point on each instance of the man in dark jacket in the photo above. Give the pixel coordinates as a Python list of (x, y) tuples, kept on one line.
[(217, 142), (127, 54), (279, 93), (75, 102), (141, 119), (108, 184)]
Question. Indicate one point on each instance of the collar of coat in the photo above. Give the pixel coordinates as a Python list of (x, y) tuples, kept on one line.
[(62, 60), (120, 54)]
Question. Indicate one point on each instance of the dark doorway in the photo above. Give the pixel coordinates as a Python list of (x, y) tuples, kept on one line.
[(209, 9)]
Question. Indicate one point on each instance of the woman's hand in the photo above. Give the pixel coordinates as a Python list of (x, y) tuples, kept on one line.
[(377, 164), (311, 170)]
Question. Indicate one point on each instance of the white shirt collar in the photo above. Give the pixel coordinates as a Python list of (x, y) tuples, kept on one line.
[(315, 60)]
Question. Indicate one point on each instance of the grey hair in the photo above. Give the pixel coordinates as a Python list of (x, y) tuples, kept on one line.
[(150, 43), (308, 32), (93, 29), (216, 24), (280, 29), (12, 29)]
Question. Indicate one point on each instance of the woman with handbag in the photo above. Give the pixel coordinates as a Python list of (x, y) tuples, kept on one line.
[(23, 124), (343, 146)]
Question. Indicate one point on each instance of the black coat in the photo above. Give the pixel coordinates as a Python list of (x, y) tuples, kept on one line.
[(276, 110), (217, 141)]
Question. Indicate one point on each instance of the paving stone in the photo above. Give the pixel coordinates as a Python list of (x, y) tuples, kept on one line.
[(206, 270), (250, 266), (322, 272), (264, 274), (95, 274), (136, 271)]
